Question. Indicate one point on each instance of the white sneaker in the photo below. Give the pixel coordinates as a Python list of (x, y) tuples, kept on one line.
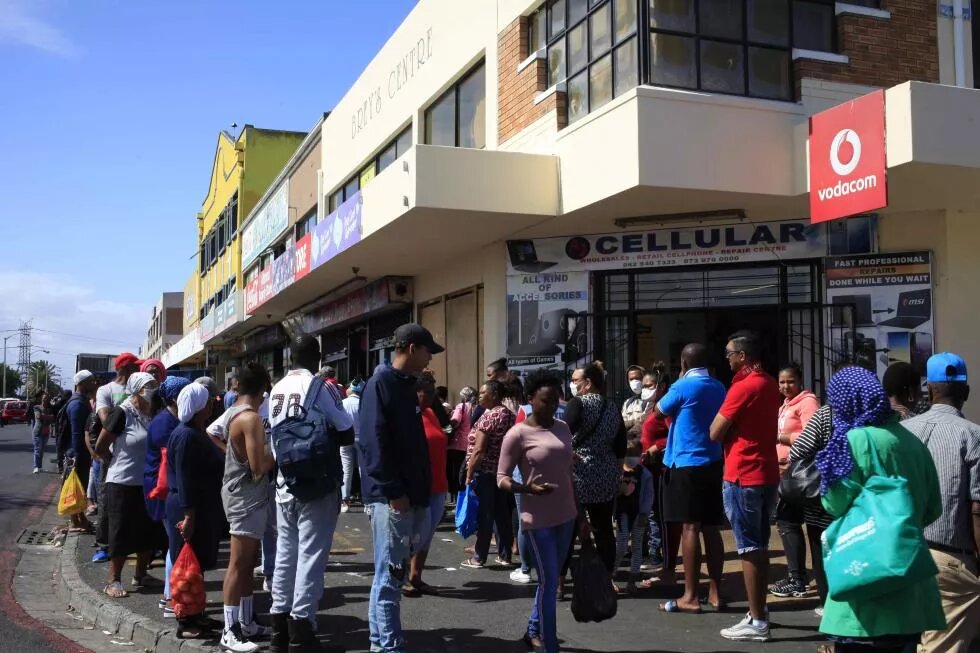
[(233, 640), (344, 507), (255, 630), (267, 584), (37, 470), (746, 631), (518, 576), (818, 611)]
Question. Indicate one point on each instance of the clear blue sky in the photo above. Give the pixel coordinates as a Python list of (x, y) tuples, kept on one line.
[(109, 114)]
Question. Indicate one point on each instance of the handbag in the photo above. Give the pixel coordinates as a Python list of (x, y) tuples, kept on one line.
[(467, 507), (801, 481), (593, 596), (877, 546)]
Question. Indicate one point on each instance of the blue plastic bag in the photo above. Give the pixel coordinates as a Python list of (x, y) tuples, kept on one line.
[(467, 506)]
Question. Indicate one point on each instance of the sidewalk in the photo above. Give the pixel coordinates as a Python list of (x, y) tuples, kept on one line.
[(478, 610)]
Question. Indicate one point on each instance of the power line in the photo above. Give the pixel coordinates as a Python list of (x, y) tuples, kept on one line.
[(81, 337)]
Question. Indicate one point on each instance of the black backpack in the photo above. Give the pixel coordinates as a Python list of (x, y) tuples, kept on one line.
[(62, 426), (307, 449)]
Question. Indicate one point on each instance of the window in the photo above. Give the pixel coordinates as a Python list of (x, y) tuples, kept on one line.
[(739, 47), (814, 25), (592, 45), (222, 233), (458, 118), (537, 34), (336, 200), (305, 224), (352, 187)]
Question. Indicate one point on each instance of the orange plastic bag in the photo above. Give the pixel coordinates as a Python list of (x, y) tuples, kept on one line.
[(162, 488), (72, 500), (187, 584)]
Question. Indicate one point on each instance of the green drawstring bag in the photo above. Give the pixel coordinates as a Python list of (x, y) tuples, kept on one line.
[(877, 546)]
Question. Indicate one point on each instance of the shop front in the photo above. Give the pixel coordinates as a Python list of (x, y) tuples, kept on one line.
[(356, 331), (638, 297), (266, 347)]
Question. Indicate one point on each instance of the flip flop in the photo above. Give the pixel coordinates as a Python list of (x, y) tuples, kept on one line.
[(650, 583), (671, 606), (470, 563), (721, 607)]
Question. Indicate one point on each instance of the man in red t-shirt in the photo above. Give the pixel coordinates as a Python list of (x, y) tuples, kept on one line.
[(747, 425)]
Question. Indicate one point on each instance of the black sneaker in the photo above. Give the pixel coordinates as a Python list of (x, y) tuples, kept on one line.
[(788, 587)]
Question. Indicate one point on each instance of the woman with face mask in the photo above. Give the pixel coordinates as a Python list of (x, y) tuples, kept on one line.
[(123, 444), (633, 406)]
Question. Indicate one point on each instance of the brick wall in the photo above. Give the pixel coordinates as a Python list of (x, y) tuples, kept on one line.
[(517, 90), (882, 52)]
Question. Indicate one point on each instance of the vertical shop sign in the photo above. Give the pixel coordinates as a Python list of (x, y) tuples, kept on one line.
[(252, 296), (338, 231), (545, 312), (283, 270), (847, 159), (302, 257), (882, 309), (265, 285)]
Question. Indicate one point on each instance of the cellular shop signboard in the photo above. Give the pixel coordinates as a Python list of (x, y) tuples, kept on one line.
[(847, 159)]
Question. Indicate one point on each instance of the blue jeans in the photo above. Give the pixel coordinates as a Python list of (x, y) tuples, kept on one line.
[(396, 536), (270, 536), (523, 545), (437, 508), (549, 546), (306, 531), (40, 444), (748, 508)]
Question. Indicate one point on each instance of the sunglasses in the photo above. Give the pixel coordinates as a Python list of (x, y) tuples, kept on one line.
[(731, 352)]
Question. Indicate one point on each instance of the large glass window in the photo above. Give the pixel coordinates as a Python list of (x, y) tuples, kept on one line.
[(458, 118), (592, 46), (740, 47)]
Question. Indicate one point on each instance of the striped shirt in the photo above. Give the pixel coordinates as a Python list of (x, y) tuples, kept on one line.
[(805, 447), (954, 443)]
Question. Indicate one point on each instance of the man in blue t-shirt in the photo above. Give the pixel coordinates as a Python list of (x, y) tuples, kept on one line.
[(691, 485)]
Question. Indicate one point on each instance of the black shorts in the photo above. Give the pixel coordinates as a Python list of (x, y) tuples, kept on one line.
[(130, 529), (693, 494)]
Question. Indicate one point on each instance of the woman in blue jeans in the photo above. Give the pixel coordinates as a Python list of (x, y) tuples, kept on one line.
[(541, 448)]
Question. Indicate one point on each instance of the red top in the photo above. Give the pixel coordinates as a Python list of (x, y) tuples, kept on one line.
[(752, 405), (655, 429), (438, 443)]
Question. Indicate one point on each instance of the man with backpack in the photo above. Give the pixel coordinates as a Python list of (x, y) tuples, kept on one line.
[(396, 477), (309, 425)]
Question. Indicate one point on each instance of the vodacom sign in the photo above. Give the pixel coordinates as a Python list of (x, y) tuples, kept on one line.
[(847, 159)]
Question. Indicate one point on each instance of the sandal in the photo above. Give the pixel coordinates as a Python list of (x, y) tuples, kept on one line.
[(671, 606), (471, 563), (115, 590), (193, 631), (410, 591)]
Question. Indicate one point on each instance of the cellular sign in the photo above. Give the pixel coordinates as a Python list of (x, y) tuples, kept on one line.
[(847, 159)]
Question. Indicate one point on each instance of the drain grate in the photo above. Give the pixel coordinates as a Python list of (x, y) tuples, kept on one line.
[(33, 536)]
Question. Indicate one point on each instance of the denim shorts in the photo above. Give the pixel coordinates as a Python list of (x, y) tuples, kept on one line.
[(748, 509)]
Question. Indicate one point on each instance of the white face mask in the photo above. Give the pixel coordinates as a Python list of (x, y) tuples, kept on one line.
[(573, 388), (636, 386), (647, 394)]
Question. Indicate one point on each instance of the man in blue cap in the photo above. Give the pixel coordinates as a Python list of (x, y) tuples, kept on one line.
[(954, 443)]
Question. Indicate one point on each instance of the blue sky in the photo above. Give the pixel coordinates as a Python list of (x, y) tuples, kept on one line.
[(109, 114)]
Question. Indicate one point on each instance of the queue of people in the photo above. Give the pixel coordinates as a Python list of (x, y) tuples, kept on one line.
[(649, 481)]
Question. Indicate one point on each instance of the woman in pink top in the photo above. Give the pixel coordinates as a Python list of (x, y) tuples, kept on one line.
[(797, 409), (462, 421), (541, 447)]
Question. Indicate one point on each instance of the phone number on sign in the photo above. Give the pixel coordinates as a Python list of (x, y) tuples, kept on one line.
[(700, 260)]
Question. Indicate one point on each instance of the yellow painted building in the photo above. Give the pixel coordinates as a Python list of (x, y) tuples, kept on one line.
[(242, 170)]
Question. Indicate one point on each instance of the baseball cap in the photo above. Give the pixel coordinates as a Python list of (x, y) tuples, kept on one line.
[(125, 359), (416, 334), (82, 376), (946, 368)]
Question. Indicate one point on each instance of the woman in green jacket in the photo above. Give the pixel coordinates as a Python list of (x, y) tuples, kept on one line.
[(892, 622)]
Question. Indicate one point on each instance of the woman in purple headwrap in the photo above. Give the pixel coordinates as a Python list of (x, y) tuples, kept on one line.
[(163, 411), (862, 417)]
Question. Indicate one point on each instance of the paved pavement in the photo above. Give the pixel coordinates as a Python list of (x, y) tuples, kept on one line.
[(24, 499), (482, 611)]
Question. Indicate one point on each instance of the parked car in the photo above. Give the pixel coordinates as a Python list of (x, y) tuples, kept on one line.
[(14, 412)]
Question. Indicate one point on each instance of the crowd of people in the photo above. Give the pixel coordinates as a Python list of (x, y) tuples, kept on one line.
[(646, 481)]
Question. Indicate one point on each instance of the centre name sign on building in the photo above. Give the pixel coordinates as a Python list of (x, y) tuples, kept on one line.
[(847, 159)]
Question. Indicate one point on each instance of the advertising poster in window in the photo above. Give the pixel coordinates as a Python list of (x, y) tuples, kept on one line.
[(545, 312), (885, 312), (283, 270)]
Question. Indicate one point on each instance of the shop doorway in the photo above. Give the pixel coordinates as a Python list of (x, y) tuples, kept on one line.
[(649, 315)]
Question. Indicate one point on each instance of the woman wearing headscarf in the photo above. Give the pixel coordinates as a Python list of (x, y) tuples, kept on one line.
[(123, 443), (155, 368), (864, 421), (194, 512), (162, 423)]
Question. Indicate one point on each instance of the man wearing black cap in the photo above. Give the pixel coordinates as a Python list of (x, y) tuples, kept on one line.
[(395, 477)]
